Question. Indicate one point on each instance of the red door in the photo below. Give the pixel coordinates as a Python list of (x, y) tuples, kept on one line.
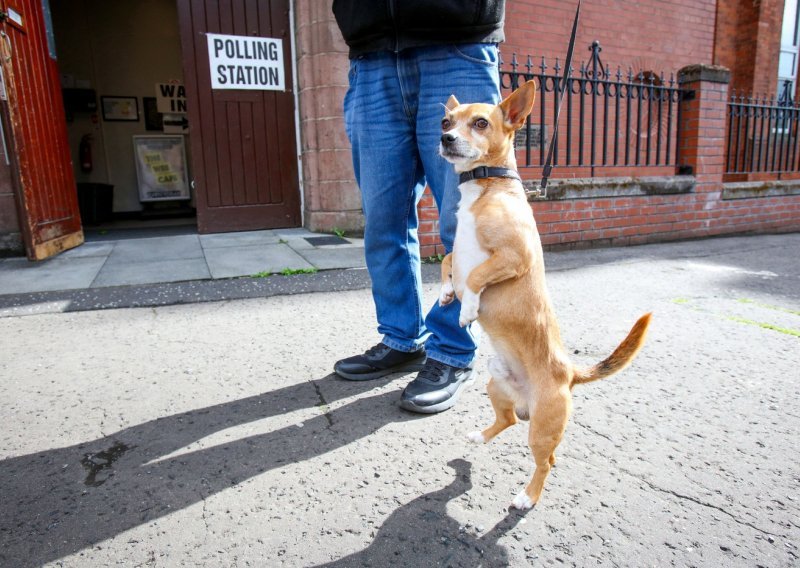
[(244, 153), (47, 199)]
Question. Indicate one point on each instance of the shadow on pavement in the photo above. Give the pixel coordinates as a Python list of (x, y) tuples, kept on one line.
[(421, 533), (57, 502)]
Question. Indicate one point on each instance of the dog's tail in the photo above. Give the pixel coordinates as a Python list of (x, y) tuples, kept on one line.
[(620, 358)]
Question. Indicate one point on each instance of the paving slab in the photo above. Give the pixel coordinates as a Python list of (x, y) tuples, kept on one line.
[(121, 273), (88, 249), (248, 260), (18, 275), (245, 238), (334, 257), (302, 244), (158, 248)]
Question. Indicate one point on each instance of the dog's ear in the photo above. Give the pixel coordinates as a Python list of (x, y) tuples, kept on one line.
[(452, 102), (518, 105)]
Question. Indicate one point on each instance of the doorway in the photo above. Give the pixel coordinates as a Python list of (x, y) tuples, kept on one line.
[(233, 150)]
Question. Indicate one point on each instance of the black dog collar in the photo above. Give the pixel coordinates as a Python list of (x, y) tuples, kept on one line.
[(484, 172)]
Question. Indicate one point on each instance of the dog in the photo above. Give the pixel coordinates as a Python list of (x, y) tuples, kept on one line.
[(496, 270)]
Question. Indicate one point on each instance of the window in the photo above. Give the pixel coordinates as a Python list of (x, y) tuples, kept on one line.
[(787, 65)]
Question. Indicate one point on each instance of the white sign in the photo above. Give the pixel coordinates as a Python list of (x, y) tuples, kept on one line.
[(175, 124), (245, 62), (171, 98)]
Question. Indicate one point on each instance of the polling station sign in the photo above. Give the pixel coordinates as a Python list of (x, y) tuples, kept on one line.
[(245, 62)]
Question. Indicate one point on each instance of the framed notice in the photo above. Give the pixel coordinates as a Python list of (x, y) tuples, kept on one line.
[(120, 108), (161, 168)]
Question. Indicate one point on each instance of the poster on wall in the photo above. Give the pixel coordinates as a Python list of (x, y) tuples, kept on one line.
[(161, 168)]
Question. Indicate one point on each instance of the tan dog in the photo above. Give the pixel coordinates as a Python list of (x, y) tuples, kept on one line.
[(496, 269)]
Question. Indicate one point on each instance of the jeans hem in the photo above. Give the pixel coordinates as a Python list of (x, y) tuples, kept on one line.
[(398, 346)]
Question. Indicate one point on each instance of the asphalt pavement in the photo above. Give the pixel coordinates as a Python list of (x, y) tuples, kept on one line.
[(213, 433)]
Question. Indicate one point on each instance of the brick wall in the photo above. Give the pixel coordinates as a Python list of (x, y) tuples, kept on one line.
[(650, 35), (647, 35), (748, 43), (331, 196)]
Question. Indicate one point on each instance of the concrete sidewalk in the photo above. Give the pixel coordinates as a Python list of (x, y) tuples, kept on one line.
[(136, 257), (214, 434)]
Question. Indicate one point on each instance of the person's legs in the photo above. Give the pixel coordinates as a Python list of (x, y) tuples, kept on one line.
[(389, 173), (470, 73)]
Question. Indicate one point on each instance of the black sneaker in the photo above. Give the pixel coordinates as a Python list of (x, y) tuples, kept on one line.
[(436, 388), (379, 361)]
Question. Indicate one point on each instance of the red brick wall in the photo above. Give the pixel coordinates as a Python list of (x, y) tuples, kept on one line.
[(748, 37), (650, 35)]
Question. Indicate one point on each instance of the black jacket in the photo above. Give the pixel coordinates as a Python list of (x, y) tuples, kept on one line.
[(394, 25)]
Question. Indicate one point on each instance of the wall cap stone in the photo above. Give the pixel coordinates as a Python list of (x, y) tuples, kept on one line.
[(753, 189), (623, 186), (703, 72)]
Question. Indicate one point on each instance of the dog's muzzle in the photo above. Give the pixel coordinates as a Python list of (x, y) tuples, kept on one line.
[(448, 139)]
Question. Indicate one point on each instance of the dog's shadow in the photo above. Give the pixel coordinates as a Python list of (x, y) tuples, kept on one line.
[(57, 502), (421, 533)]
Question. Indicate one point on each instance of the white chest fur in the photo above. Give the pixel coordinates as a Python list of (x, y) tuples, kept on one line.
[(468, 252)]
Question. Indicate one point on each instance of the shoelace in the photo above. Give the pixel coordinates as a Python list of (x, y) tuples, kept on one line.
[(433, 371), (376, 349)]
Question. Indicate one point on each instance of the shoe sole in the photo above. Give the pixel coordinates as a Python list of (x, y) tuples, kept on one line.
[(414, 367), (436, 408)]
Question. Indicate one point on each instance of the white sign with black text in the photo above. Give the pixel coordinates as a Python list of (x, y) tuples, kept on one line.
[(171, 97), (245, 62)]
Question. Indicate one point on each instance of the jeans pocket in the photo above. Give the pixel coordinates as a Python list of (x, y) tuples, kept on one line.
[(347, 104), (352, 74), (483, 53)]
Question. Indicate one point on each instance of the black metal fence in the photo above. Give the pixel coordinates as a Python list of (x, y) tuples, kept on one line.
[(625, 120), (762, 135)]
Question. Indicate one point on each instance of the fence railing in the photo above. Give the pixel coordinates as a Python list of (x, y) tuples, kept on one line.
[(762, 135), (628, 120)]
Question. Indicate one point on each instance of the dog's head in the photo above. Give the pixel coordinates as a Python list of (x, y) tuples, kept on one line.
[(483, 135)]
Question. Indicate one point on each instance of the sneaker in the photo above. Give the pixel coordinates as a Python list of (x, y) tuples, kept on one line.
[(379, 361), (436, 388)]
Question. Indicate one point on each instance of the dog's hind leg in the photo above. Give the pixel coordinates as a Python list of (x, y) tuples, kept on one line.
[(504, 414), (546, 429)]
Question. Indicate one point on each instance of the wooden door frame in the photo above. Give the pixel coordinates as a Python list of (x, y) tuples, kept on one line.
[(298, 142)]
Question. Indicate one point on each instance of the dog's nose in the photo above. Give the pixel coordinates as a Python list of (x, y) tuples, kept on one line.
[(448, 138)]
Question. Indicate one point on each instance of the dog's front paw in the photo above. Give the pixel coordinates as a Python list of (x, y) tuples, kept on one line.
[(476, 437), (469, 308), (447, 294), (522, 502)]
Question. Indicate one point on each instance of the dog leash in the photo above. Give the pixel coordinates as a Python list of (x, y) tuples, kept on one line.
[(541, 192)]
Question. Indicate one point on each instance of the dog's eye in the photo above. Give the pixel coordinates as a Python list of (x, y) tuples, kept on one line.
[(446, 124), (481, 123)]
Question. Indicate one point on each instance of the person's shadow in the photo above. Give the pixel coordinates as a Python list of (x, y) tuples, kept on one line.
[(421, 533), (57, 502)]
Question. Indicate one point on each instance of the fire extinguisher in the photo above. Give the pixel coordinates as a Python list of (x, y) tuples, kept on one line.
[(85, 154)]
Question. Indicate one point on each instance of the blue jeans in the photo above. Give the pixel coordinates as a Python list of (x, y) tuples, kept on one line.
[(393, 112)]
